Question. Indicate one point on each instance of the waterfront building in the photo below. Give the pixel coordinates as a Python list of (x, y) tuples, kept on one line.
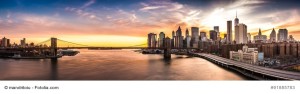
[(273, 36), (23, 42), (282, 35), (247, 55), (260, 38), (195, 37), (212, 35), (161, 39), (4, 42), (152, 40), (241, 33), (229, 31), (187, 39)]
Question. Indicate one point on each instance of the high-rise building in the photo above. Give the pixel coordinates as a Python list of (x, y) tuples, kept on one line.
[(195, 37), (213, 35), (282, 35), (229, 31), (202, 35), (249, 37), (4, 42), (273, 36), (241, 33), (23, 42), (216, 28), (161, 39), (260, 37), (236, 20), (173, 39), (151, 40), (187, 39), (179, 38)]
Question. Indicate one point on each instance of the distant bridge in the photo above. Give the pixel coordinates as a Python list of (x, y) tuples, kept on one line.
[(62, 44)]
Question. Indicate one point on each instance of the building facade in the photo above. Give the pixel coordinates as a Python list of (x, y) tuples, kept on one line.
[(282, 35), (195, 37), (241, 34), (229, 31)]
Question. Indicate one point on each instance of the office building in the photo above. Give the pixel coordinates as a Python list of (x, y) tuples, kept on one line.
[(178, 38), (249, 37), (187, 39), (195, 37), (260, 38), (236, 20), (151, 40), (4, 42), (282, 35), (23, 42), (273, 36), (161, 39), (229, 31), (241, 33), (213, 35)]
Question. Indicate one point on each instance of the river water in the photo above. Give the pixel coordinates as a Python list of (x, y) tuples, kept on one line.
[(114, 65)]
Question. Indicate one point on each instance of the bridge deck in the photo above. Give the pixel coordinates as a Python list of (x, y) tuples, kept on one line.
[(288, 75)]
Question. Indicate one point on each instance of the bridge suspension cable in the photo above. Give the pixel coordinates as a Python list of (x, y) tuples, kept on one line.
[(74, 43)]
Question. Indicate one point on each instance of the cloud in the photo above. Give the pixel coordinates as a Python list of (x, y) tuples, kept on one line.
[(151, 8), (89, 3)]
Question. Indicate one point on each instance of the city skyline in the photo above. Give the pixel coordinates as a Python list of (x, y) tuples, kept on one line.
[(123, 23)]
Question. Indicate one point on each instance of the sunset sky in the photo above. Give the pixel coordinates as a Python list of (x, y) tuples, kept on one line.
[(127, 22)]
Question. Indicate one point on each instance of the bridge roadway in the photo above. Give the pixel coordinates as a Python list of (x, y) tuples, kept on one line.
[(282, 74)]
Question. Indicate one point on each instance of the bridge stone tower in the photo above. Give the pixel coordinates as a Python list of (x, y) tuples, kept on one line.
[(167, 48), (53, 46)]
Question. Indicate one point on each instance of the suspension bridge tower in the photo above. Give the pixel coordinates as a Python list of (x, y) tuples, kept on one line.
[(167, 48), (53, 47)]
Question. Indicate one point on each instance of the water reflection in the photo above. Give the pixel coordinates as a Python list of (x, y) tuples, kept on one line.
[(53, 71), (114, 65)]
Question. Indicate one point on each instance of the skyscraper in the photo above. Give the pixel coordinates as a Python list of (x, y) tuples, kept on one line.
[(4, 42), (282, 35), (216, 28), (173, 39), (213, 35), (241, 33), (236, 20), (202, 35), (23, 42), (161, 39), (249, 37), (179, 38), (195, 37), (187, 39), (273, 36), (229, 31), (151, 40)]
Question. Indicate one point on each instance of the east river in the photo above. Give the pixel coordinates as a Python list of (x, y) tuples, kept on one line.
[(114, 65)]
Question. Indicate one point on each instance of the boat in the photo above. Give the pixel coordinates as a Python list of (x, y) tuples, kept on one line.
[(68, 52)]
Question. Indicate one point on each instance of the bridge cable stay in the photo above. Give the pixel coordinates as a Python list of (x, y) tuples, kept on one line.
[(44, 42), (74, 43)]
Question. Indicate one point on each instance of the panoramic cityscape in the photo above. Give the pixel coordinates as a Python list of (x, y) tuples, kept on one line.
[(149, 40)]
